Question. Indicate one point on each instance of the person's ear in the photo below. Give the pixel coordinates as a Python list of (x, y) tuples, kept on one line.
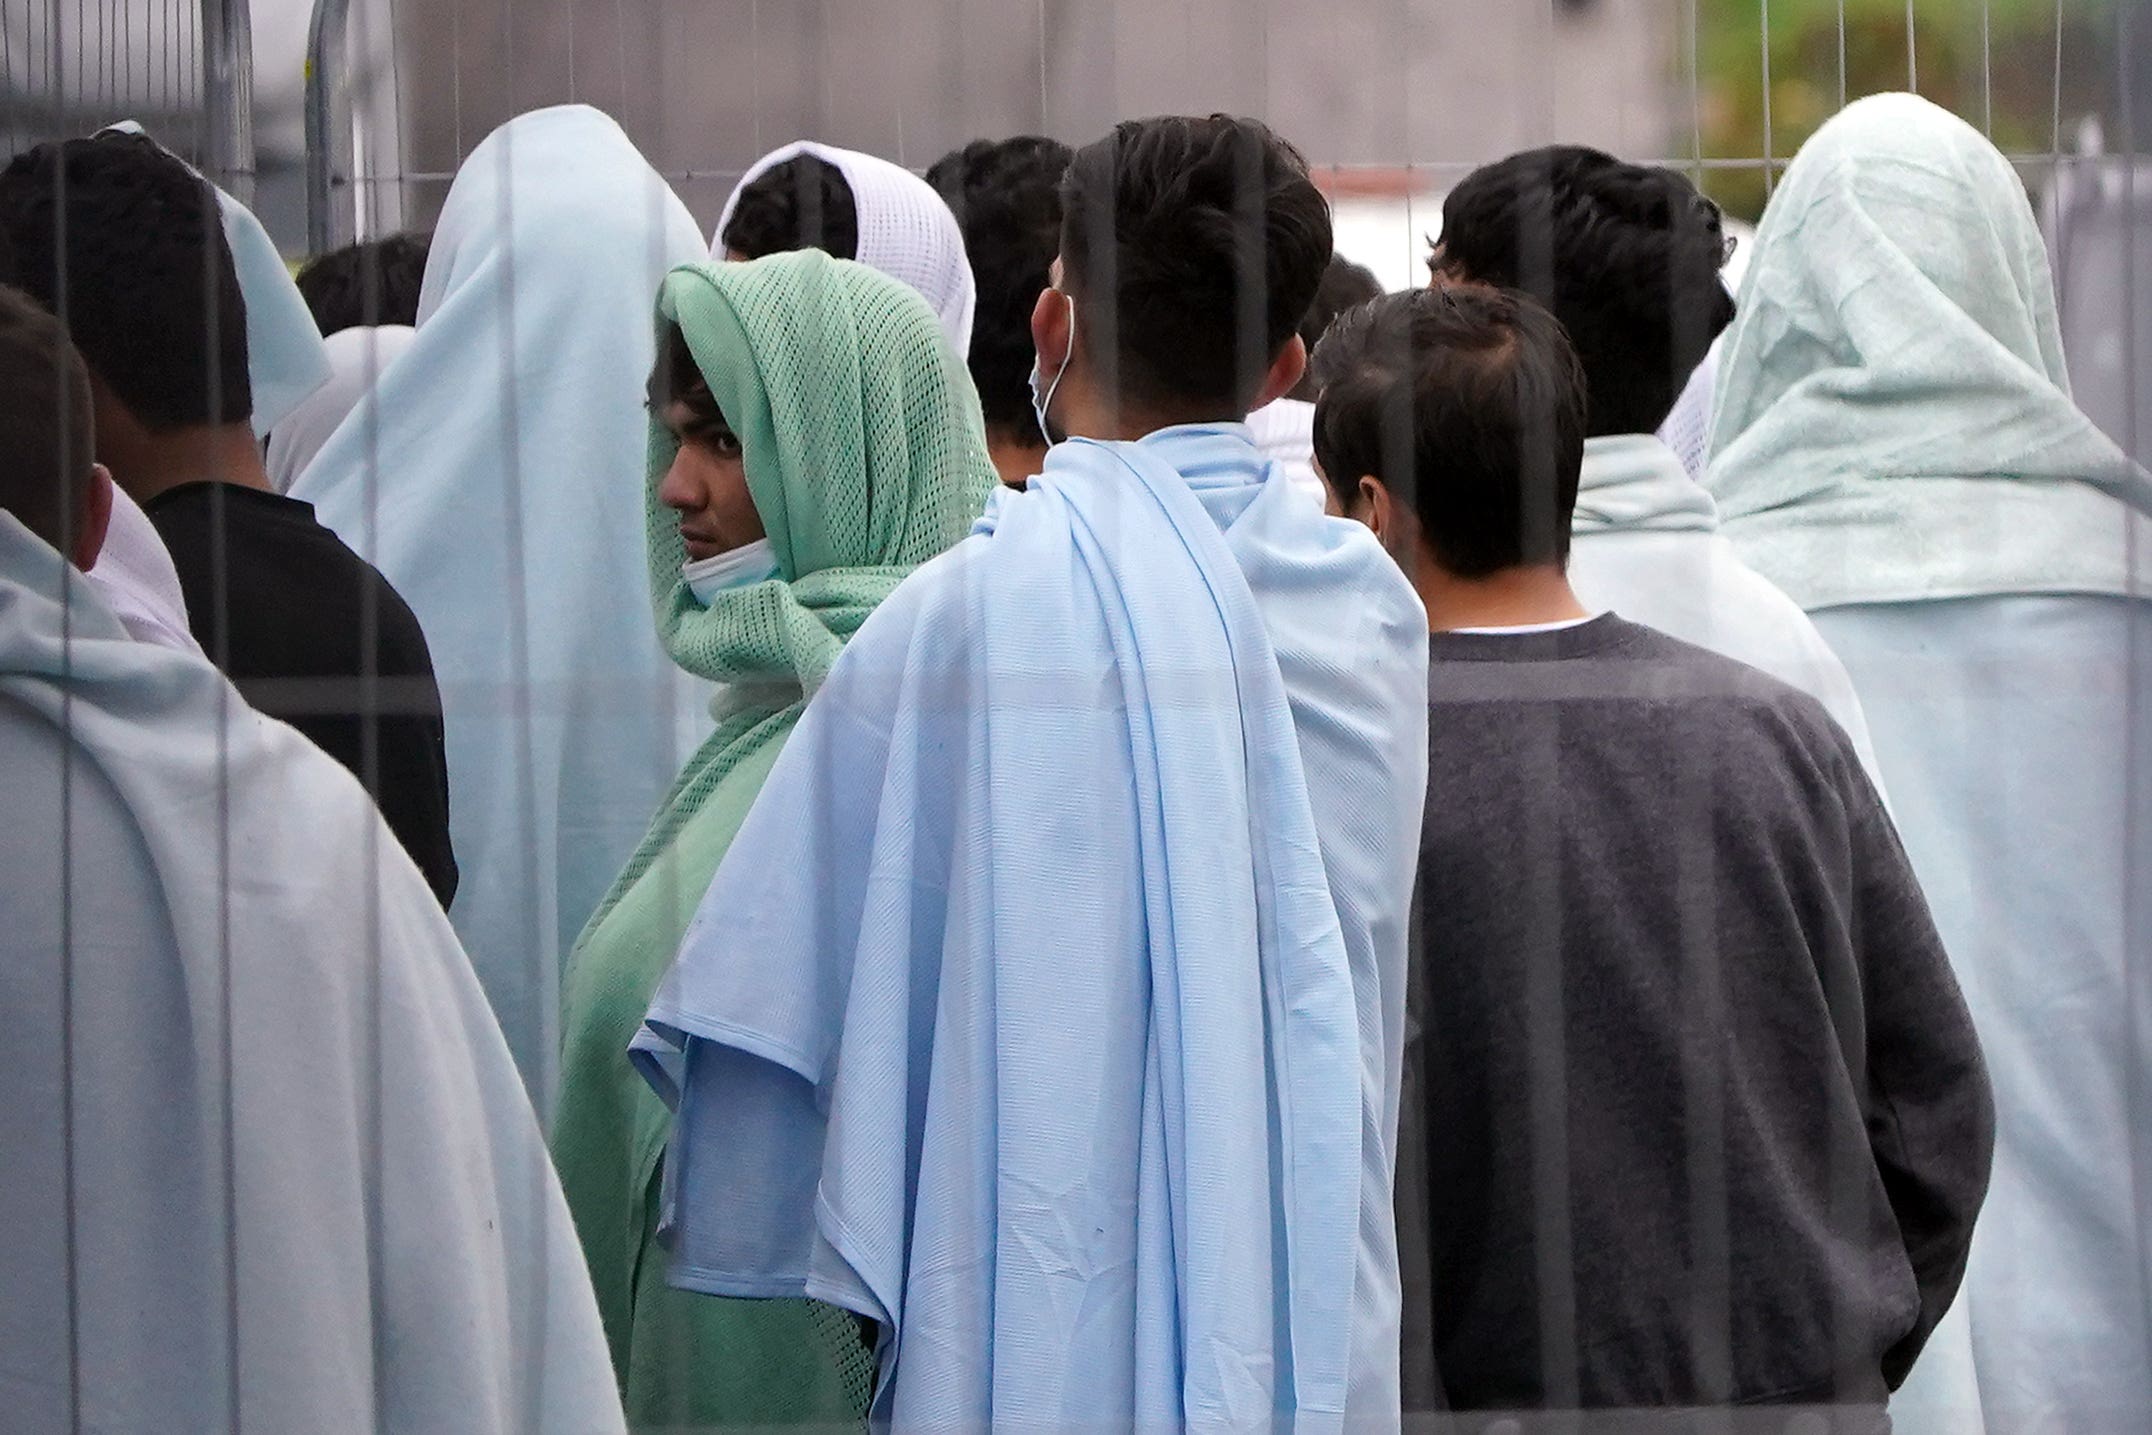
[(96, 519), (1050, 335), (1371, 506), (1286, 372)]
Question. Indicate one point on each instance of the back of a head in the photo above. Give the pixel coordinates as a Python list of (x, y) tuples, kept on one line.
[(1627, 257), (45, 426), (151, 299), (1006, 196), (1193, 248), (801, 203), (1345, 285), (1467, 403), (366, 285)]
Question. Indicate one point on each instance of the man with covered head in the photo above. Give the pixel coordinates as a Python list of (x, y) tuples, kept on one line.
[(1053, 989)]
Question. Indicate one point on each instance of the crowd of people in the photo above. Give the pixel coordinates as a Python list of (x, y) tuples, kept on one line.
[(1012, 800)]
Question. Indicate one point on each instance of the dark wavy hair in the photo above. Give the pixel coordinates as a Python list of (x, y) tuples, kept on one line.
[(1468, 403), (1193, 248), (1627, 257), (151, 298), (1007, 199)]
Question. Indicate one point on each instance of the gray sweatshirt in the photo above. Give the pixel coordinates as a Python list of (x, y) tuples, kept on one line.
[(1693, 1110)]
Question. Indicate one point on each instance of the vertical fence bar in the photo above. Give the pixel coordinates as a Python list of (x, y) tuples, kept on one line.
[(228, 96), (328, 120)]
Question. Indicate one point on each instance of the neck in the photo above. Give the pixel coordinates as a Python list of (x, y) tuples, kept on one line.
[(1512, 598), (154, 463), (1109, 418), (1015, 460)]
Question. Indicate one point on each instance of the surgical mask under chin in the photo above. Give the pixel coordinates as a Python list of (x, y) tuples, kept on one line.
[(1040, 403), (751, 563)]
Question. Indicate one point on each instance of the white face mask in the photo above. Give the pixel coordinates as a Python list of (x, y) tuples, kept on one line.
[(740, 567), (1041, 402)]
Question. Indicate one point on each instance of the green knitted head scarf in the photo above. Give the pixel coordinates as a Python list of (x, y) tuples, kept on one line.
[(865, 456), (864, 450)]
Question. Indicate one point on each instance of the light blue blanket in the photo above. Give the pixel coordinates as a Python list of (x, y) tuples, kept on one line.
[(1047, 1009)]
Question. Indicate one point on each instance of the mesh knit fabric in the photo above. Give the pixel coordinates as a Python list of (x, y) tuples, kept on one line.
[(1687, 430), (865, 455), (905, 230)]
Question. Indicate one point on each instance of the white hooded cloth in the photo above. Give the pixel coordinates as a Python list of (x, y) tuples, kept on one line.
[(1284, 430), (1646, 544), (906, 230), (268, 1164), (495, 476), (357, 359), (1896, 445)]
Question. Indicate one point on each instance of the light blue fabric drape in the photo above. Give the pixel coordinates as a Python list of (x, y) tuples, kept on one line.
[(2017, 732), (1048, 1006), (495, 476), (1896, 446), (267, 1164)]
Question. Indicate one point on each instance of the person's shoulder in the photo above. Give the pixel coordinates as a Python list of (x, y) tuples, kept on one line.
[(1742, 694)]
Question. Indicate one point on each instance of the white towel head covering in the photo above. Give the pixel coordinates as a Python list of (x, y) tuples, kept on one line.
[(906, 230), (285, 357), (1894, 419), (357, 358)]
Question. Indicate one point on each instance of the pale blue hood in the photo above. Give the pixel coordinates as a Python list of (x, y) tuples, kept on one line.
[(1634, 483)]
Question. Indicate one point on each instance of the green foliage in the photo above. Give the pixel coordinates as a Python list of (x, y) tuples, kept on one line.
[(1991, 61)]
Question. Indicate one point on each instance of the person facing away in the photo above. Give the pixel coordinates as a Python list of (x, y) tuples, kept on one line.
[(268, 1163), (1046, 1010), (1627, 257), (367, 284), (854, 206), (1694, 1114), (1006, 195), (1897, 447), (1285, 427), (483, 471), (308, 630), (814, 440)]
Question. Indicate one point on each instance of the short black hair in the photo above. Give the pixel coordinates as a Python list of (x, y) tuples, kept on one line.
[(1006, 195), (803, 203), (1468, 403), (1627, 257), (1193, 248), (376, 281), (676, 378), (46, 431), (1345, 285), (151, 298)]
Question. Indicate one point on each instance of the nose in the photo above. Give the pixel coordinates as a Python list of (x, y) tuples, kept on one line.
[(679, 490)]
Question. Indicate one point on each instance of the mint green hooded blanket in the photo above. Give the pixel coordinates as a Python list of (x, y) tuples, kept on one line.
[(865, 456)]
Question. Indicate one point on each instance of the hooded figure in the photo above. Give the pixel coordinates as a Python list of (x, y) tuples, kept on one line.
[(1896, 447), (483, 475), (906, 230), (864, 455), (269, 1166)]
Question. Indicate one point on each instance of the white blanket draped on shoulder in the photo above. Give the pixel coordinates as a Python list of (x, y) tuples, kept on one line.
[(268, 1164)]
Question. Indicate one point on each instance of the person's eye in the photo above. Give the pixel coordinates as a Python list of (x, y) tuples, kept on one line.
[(723, 442)]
